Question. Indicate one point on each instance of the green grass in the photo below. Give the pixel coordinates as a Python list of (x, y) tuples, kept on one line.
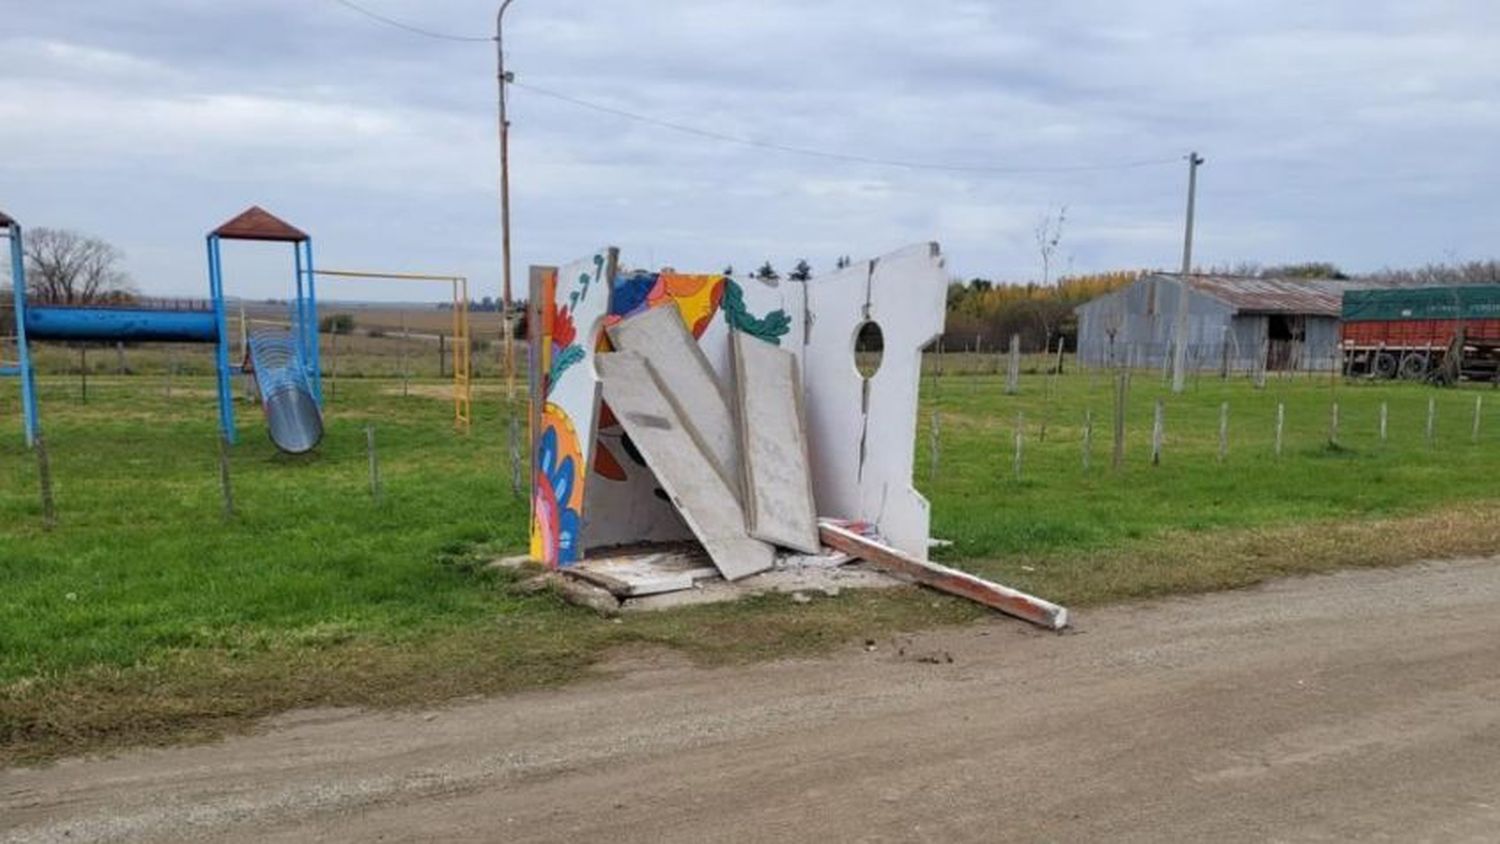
[(146, 616), (1056, 506)]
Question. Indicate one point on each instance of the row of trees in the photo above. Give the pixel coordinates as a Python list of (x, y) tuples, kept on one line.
[(984, 314), (65, 267)]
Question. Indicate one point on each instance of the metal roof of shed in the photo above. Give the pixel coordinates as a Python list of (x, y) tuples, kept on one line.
[(1252, 295)]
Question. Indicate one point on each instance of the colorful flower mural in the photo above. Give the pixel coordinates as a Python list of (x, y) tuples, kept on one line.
[(557, 488), (569, 397), (565, 352)]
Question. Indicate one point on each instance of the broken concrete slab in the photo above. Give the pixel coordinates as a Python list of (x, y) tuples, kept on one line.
[(674, 449), (774, 466), (660, 336), (634, 575), (847, 538)]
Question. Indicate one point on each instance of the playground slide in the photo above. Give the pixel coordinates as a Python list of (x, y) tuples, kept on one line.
[(293, 417)]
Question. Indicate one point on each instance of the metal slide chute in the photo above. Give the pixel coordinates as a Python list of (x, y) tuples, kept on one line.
[(293, 418)]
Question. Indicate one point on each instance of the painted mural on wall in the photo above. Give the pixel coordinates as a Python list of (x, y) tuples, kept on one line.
[(571, 304), (592, 488), (625, 500)]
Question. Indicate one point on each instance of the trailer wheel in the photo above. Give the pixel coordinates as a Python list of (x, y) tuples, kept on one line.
[(1385, 365), (1414, 367)]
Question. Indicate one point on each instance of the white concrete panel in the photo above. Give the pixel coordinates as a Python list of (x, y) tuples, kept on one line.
[(908, 300), (662, 431), (777, 485), (663, 340), (861, 434)]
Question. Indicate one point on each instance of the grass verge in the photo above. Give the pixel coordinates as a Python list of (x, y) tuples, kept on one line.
[(201, 694)]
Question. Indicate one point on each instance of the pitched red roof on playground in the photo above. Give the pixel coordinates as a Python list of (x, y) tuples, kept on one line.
[(256, 223)]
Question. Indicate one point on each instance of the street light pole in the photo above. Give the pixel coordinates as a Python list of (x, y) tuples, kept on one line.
[(503, 79), (1179, 346)]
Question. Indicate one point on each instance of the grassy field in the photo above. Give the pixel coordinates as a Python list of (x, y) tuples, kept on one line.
[(146, 616)]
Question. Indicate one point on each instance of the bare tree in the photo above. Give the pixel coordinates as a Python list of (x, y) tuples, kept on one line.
[(1048, 233), (65, 267)]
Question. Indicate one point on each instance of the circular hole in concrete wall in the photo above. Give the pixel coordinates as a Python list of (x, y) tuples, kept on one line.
[(869, 349)]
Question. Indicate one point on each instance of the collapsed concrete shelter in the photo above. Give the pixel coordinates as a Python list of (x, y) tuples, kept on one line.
[(593, 488)]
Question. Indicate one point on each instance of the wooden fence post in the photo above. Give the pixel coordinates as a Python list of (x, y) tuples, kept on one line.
[(1333, 426), (1431, 420), (1158, 432), (44, 479), (375, 489), (1088, 439), (1122, 390), (225, 488), (1020, 439), (1013, 373), (442, 356), (515, 455), (405, 343), (1280, 424), (1478, 413), (1385, 412), (333, 340), (1223, 431), (933, 444), (83, 373)]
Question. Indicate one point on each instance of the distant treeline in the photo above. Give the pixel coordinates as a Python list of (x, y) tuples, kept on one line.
[(984, 315)]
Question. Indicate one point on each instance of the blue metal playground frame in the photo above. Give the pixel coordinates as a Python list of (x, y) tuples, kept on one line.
[(46, 322), (22, 370)]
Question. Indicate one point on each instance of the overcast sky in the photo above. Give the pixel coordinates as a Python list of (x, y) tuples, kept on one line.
[(1362, 132)]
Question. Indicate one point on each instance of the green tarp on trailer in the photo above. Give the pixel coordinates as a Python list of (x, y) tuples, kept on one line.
[(1477, 301)]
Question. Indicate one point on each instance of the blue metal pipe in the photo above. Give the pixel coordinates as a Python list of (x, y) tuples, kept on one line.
[(30, 416), (221, 333), (316, 364), (142, 325)]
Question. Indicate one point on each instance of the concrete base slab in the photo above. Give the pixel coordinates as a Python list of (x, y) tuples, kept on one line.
[(790, 580)]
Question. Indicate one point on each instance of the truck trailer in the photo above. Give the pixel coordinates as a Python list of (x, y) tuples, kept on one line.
[(1439, 334)]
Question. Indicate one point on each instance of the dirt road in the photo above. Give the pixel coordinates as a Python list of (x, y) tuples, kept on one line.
[(1363, 705)]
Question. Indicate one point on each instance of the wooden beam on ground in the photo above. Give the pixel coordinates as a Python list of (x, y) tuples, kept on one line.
[(944, 579)]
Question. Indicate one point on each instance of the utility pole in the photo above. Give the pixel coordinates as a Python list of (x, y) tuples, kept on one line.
[(503, 79), (1179, 346)]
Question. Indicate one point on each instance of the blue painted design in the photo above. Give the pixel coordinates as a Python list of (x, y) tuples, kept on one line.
[(631, 292)]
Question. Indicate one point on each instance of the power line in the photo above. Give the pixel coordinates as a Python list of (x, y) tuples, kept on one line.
[(417, 30), (710, 134), (836, 156)]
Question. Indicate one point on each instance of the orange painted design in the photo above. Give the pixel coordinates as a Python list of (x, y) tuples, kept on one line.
[(697, 297)]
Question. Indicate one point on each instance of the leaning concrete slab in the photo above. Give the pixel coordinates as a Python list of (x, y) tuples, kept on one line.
[(660, 429), (661, 337), (777, 484)]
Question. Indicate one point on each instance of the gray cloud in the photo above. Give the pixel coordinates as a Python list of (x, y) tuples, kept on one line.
[(1357, 131)]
